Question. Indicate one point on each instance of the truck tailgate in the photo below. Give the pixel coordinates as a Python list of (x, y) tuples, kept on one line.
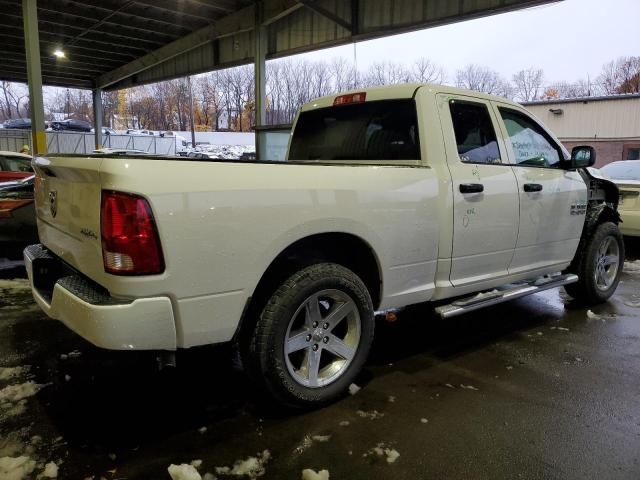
[(67, 201)]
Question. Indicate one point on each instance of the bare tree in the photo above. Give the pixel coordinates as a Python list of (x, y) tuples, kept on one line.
[(481, 79), (424, 70), (620, 76), (14, 101), (528, 84)]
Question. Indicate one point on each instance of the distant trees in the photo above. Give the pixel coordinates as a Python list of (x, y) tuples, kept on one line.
[(225, 99), (14, 101), (528, 84)]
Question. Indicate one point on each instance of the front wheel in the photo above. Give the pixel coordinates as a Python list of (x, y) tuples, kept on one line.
[(313, 336), (598, 266)]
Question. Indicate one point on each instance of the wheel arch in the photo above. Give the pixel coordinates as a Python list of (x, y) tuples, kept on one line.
[(346, 249)]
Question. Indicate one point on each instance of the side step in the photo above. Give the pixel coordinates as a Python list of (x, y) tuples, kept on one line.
[(504, 294)]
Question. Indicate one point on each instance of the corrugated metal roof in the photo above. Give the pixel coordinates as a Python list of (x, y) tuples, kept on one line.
[(119, 43)]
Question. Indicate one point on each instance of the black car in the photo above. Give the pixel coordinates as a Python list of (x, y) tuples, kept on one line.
[(17, 217), (19, 123), (72, 125)]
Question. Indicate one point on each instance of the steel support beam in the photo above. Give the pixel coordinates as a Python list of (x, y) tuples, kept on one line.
[(97, 116), (261, 39), (320, 10), (34, 75)]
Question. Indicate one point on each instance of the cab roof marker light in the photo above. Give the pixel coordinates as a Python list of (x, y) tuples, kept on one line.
[(349, 98)]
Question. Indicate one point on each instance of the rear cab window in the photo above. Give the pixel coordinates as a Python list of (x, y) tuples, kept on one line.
[(383, 131)]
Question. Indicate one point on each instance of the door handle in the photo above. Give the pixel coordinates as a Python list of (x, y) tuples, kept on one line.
[(471, 188), (532, 187)]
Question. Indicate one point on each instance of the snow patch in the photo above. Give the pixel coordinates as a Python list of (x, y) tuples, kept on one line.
[(468, 387), (353, 389), (424, 420), (15, 287), (8, 373), (344, 423), (382, 450), (251, 467), (183, 472), (371, 415), (50, 470), (196, 463), (15, 393), (16, 468), (632, 267), (321, 438), (391, 399), (202, 430), (308, 474)]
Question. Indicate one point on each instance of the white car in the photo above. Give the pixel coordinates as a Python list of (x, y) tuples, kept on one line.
[(626, 175), (389, 197)]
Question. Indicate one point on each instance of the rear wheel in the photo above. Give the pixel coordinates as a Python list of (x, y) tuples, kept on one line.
[(599, 265), (313, 336)]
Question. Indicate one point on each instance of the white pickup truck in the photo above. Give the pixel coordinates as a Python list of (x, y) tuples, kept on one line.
[(389, 197)]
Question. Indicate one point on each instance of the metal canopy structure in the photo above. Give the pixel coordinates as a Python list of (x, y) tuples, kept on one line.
[(120, 43), (114, 44)]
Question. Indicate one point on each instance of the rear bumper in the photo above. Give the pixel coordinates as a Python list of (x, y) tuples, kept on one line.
[(630, 222), (89, 310)]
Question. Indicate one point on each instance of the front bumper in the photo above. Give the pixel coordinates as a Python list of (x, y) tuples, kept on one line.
[(86, 308)]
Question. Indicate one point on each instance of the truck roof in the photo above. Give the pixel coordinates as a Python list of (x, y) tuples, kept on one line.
[(405, 90)]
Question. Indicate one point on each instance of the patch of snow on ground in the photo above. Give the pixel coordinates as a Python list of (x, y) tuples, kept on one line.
[(353, 389), (50, 470), (381, 450), (15, 393), (183, 472), (309, 474), (11, 372), (632, 267), (196, 463), (17, 286), (391, 399), (372, 415), (251, 467), (321, 438), (344, 423), (468, 387), (16, 468), (424, 420), (633, 304)]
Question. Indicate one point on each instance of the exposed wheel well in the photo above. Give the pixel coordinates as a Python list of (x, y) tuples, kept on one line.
[(344, 249)]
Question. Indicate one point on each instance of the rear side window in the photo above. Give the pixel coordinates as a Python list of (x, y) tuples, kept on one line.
[(380, 130), (532, 146), (475, 135)]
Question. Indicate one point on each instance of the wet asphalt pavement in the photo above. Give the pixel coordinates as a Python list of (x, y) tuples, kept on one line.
[(535, 388)]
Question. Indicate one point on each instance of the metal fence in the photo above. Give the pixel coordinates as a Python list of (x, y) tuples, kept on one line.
[(77, 142)]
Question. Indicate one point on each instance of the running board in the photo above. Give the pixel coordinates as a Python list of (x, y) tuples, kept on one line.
[(510, 292)]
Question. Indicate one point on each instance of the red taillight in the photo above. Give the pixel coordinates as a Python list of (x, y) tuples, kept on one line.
[(7, 207), (130, 242), (350, 98)]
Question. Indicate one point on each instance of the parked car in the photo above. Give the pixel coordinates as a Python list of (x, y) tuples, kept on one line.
[(14, 166), (71, 124), (626, 174), (389, 197), (17, 217), (18, 123)]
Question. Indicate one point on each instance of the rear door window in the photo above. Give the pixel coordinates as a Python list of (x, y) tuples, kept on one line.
[(475, 135), (378, 130)]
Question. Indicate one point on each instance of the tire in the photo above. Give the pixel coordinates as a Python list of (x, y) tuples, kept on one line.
[(598, 266), (324, 316)]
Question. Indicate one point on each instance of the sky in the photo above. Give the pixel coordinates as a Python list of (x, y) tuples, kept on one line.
[(568, 40)]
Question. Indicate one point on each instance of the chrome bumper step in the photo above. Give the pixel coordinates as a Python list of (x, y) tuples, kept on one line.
[(504, 294)]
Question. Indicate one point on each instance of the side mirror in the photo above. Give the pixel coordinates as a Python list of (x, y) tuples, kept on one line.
[(582, 157)]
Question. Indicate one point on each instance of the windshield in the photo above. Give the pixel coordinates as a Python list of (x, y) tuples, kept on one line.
[(627, 170), (380, 130)]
